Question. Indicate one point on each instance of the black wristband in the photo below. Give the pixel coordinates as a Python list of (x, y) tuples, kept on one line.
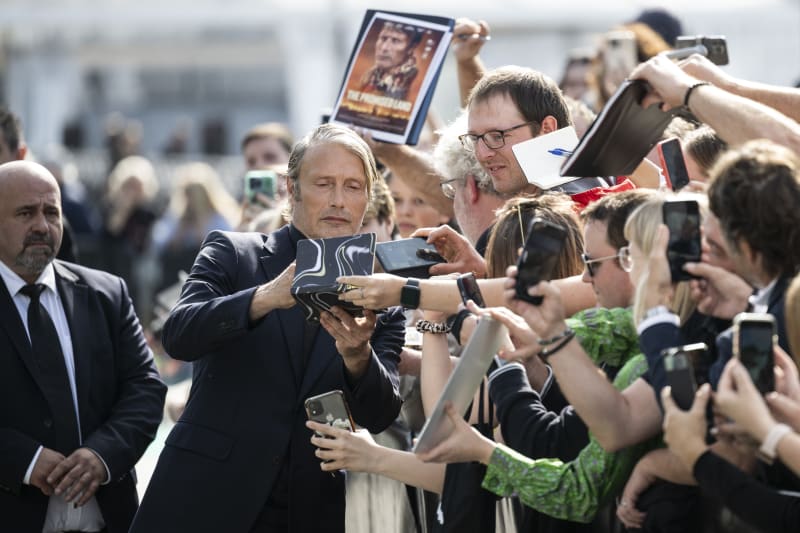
[(690, 90), (544, 354), (456, 321)]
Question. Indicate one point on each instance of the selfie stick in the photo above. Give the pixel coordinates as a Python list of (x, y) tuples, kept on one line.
[(683, 53)]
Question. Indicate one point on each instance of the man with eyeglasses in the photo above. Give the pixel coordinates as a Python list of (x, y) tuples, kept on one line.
[(464, 182), (607, 264), (513, 104)]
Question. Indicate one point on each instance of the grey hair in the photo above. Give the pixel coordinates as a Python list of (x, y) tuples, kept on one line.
[(333, 134), (455, 162)]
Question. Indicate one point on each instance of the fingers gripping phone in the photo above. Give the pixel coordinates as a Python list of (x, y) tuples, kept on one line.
[(683, 220), (260, 181), (673, 164), (468, 287), (679, 364), (330, 408), (754, 338), (539, 257)]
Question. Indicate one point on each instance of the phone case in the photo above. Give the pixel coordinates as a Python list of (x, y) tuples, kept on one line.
[(754, 338), (469, 289), (679, 367), (330, 408), (539, 257), (673, 164), (408, 258), (683, 220)]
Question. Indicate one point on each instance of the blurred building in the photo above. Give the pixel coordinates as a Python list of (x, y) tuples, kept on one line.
[(196, 74)]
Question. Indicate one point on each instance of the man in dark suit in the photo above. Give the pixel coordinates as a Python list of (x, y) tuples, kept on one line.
[(80, 395), (240, 458)]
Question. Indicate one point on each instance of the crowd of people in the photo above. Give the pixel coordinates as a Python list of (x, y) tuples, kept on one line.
[(576, 426)]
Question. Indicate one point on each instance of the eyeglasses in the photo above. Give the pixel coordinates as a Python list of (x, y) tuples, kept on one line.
[(623, 256), (493, 139), (448, 189)]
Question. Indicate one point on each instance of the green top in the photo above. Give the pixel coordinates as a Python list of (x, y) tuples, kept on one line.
[(577, 489), (608, 336)]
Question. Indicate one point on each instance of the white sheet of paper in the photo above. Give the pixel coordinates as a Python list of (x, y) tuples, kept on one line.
[(541, 157)]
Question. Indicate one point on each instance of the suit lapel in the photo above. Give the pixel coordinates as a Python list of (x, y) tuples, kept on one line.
[(12, 323), (291, 321), (323, 351), (75, 299)]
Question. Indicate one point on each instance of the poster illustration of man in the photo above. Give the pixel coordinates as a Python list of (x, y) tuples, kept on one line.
[(391, 73), (395, 63)]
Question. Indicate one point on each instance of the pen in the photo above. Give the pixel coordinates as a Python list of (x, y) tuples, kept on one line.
[(465, 36)]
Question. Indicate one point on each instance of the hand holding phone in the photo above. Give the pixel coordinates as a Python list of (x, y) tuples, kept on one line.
[(683, 220), (673, 163), (754, 339), (260, 182), (539, 257), (469, 289), (679, 364), (330, 408)]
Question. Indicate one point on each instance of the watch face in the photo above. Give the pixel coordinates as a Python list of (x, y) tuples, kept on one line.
[(409, 296)]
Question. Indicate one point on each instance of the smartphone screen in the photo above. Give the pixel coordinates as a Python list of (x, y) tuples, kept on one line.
[(753, 347), (673, 164), (539, 257), (683, 220), (468, 286)]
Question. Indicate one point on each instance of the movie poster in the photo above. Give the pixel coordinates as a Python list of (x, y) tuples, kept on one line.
[(391, 72)]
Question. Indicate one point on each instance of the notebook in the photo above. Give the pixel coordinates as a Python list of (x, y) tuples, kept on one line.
[(488, 337)]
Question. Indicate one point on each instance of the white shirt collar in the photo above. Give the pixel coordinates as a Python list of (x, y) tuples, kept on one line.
[(14, 283), (760, 299)]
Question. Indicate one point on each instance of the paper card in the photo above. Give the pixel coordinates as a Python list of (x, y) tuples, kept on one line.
[(541, 157)]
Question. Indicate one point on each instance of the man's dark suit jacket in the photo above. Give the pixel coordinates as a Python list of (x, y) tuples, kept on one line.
[(120, 396), (245, 416)]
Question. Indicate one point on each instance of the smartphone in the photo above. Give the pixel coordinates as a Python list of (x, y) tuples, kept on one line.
[(330, 408), (469, 289), (682, 217), (620, 56), (716, 46), (680, 363), (408, 258), (754, 338), (260, 181), (673, 164), (539, 257)]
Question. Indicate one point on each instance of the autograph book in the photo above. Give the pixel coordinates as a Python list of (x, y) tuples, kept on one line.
[(320, 261)]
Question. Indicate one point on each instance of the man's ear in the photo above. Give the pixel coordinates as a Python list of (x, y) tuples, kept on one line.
[(22, 151), (549, 125), (289, 187)]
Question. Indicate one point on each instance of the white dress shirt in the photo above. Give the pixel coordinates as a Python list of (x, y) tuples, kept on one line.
[(61, 515)]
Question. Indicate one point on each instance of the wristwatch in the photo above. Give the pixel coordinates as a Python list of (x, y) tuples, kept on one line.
[(769, 448), (409, 295)]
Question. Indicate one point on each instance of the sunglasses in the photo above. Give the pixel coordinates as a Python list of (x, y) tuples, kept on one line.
[(623, 256)]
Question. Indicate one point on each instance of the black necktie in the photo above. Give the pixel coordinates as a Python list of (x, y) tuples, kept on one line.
[(52, 371)]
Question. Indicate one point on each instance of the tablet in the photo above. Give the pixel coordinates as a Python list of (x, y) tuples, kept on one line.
[(460, 389)]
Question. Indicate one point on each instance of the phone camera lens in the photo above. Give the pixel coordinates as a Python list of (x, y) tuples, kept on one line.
[(315, 408)]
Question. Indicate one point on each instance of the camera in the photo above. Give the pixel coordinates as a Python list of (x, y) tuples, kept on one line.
[(314, 408)]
